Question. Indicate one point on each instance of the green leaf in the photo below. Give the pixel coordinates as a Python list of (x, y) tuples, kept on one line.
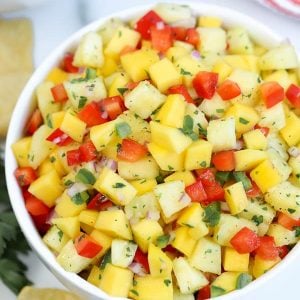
[(202, 131), (123, 130), (82, 101), (85, 176), (167, 282), (243, 280), (90, 73), (184, 72), (212, 214), (243, 121), (187, 128), (241, 176), (122, 91), (80, 198), (216, 291), (291, 210), (297, 231), (118, 185), (162, 241), (105, 260), (258, 219), (222, 177)]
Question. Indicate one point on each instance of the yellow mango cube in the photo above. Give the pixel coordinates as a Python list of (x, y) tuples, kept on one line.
[(226, 281), (291, 131), (261, 266), (265, 176), (145, 232), (159, 263), (209, 21), (114, 223), (95, 276), (57, 75), (137, 63), (102, 239), (172, 112), (187, 177), (255, 140), (70, 226), (243, 62), (55, 161), (169, 138), (183, 242), (21, 150), (198, 155), (116, 281), (164, 74), (45, 167), (119, 81), (88, 217), (47, 188), (247, 159), (56, 119), (73, 127), (223, 69), (175, 53), (143, 186), (115, 187), (109, 67), (236, 197), (234, 261)]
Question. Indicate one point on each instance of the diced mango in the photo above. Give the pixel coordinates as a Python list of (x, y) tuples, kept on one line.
[(291, 131), (234, 261), (95, 276), (223, 69), (236, 197), (70, 226), (159, 263), (88, 217), (57, 75), (248, 159), (261, 266), (187, 177), (209, 21), (56, 119), (73, 127), (143, 186), (174, 53), (110, 66), (21, 150), (102, 239), (226, 281), (255, 140), (183, 242), (120, 81)]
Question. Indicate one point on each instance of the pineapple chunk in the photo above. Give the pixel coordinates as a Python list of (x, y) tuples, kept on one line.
[(118, 190), (243, 62), (40, 188), (146, 232), (239, 41), (70, 226), (172, 112), (167, 161), (280, 76), (221, 134), (176, 52), (57, 75), (206, 256), (255, 140), (55, 119), (21, 150), (116, 281), (189, 279), (144, 99), (88, 217), (282, 236), (273, 118), (212, 40), (265, 170), (261, 266), (143, 186), (172, 13), (170, 197), (198, 155), (183, 241), (120, 80), (103, 240), (279, 164), (160, 264), (294, 163), (170, 138), (236, 197), (234, 261), (73, 127), (114, 223), (187, 177), (55, 238), (199, 120), (291, 131), (121, 38), (247, 159), (122, 252), (214, 107), (89, 51), (145, 168), (224, 283), (137, 63), (223, 69), (108, 29), (177, 295), (164, 74), (209, 21)]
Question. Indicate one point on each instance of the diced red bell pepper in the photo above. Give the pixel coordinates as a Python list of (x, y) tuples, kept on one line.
[(204, 293), (267, 249), (293, 95), (25, 175), (271, 93), (114, 106), (224, 160), (91, 115), (59, 138), (196, 192), (68, 63), (287, 222), (192, 37), (73, 157), (131, 150), (88, 151), (179, 33), (142, 259), (214, 192), (265, 130), (59, 93), (36, 207), (254, 191), (205, 84), (283, 251), (34, 122), (144, 24), (182, 90), (245, 241), (99, 202), (162, 39), (207, 176), (171, 249), (41, 224), (228, 90), (86, 246)]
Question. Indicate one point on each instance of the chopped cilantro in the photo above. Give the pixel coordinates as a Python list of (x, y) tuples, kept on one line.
[(134, 292), (258, 219), (163, 240), (118, 185), (291, 210), (184, 72), (82, 101), (243, 121), (212, 214), (122, 90), (297, 231), (123, 129), (85, 176), (187, 129), (80, 198), (167, 282)]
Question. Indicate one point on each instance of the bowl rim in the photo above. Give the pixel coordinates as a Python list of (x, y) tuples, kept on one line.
[(259, 32)]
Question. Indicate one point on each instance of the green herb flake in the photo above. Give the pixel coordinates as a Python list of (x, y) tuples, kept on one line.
[(167, 282), (118, 185), (202, 131), (291, 210), (203, 164), (60, 234), (105, 260), (68, 182), (82, 101), (162, 241), (122, 91), (134, 292), (297, 231), (216, 291), (80, 198), (170, 168), (123, 129), (49, 121), (243, 121), (187, 129), (258, 219), (85, 176), (220, 110), (212, 214), (184, 72), (243, 280), (90, 73)]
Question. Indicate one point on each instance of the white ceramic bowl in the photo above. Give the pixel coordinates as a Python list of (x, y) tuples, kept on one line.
[(260, 33)]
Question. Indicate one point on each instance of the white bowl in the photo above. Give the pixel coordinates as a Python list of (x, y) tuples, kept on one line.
[(260, 33)]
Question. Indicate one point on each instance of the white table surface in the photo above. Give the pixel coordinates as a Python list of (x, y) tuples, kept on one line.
[(56, 19)]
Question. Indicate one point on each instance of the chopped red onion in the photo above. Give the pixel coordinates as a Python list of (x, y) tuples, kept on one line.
[(81, 70), (153, 215), (294, 151), (137, 268), (160, 25), (76, 188), (108, 163), (195, 54), (185, 199), (104, 115), (239, 145)]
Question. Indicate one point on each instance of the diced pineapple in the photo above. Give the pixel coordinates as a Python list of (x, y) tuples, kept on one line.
[(144, 99), (118, 190), (291, 131), (281, 235), (239, 41), (95, 276), (187, 177), (273, 118), (73, 127), (261, 266), (160, 264), (255, 140), (57, 75), (146, 232), (174, 53), (236, 197), (70, 260), (248, 159), (294, 163), (221, 134), (209, 21), (206, 256), (108, 29), (103, 240), (171, 12), (88, 217), (143, 186), (214, 107), (199, 121), (116, 281), (279, 164), (70, 226), (145, 168), (223, 69), (280, 76), (198, 155), (234, 261), (188, 278), (212, 40), (225, 283), (137, 63), (122, 37), (183, 241), (167, 161), (122, 252), (40, 188), (89, 51), (114, 223), (21, 150), (247, 62), (177, 295), (265, 170), (55, 238), (278, 144)]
